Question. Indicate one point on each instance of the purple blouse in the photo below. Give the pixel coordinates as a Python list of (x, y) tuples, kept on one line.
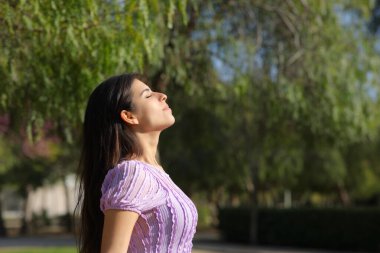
[(167, 217)]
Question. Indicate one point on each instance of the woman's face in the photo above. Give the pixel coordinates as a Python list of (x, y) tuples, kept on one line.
[(151, 111)]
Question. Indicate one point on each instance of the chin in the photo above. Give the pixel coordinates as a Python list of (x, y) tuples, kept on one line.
[(170, 123), (160, 127)]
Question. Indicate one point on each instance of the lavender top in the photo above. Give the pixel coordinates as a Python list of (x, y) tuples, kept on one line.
[(167, 217)]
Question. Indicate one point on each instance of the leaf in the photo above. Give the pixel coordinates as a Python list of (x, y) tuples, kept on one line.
[(28, 22), (170, 14), (71, 36), (182, 6), (143, 6)]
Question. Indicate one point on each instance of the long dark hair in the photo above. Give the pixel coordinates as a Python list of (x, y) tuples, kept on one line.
[(106, 141)]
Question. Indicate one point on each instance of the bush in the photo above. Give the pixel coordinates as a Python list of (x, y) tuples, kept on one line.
[(234, 223), (335, 228)]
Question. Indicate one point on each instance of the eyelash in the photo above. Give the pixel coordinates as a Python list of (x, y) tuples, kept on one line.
[(149, 96)]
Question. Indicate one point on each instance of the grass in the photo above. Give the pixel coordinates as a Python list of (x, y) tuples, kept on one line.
[(40, 250)]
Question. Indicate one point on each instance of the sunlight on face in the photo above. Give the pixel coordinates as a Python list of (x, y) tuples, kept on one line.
[(151, 109)]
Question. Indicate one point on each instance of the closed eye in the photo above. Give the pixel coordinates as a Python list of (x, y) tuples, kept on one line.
[(146, 91), (150, 93)]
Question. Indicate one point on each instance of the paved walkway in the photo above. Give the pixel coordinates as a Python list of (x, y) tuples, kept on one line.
[(212, 243), (203, 243)]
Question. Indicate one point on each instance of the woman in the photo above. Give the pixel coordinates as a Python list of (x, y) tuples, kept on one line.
[(128, 202)]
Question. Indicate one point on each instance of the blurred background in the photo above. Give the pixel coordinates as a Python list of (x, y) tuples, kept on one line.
[(276, 104)]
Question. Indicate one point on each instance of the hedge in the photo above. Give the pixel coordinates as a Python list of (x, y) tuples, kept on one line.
[(334, 228)]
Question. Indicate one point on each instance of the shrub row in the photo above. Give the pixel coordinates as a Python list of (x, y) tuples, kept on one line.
[(335, 228)]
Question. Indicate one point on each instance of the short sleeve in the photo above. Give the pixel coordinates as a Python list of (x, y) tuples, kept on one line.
[(130, 186)]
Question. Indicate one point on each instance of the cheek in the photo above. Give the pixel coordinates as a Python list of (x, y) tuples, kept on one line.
[(146, 113)]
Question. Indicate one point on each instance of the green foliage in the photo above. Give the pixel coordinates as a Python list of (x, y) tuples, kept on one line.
[(54, 53), (287, 84), (374, 25), (362, 163), (7, 157), (28, 173), (288, 88)]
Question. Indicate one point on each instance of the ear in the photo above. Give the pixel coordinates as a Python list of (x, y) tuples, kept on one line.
[(128, 117)]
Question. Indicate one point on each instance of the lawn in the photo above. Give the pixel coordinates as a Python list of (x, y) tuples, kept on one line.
[(40, 250)]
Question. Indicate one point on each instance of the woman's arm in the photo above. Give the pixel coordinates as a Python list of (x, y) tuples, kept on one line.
[(117, 230)]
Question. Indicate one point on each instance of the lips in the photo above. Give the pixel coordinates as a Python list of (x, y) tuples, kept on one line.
[(166, 108)]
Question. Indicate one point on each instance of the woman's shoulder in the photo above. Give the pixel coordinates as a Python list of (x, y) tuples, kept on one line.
[(126, 165), (135, 166), (124, 170), (131, 185)]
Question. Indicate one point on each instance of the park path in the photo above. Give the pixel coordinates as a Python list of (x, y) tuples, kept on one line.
[(203, 243)]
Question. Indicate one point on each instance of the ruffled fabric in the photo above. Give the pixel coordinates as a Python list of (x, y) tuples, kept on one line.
[(167, 217)]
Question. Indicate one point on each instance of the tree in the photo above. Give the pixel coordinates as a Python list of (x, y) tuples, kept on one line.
[(267, 94), (302, 76), (375, 19), (7, 159), (55, 53)]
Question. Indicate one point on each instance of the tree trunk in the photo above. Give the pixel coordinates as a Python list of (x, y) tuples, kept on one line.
[(25, 229), (3, 231), (343, 195), (68, 218), (254, 207), (24, 223)]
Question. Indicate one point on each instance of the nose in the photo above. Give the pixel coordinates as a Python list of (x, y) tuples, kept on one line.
[(163, 97)]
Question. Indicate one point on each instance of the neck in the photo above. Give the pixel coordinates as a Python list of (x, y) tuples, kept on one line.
[(149, 144)]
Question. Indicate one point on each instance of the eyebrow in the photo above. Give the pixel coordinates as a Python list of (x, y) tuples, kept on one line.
[(147, 89)]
